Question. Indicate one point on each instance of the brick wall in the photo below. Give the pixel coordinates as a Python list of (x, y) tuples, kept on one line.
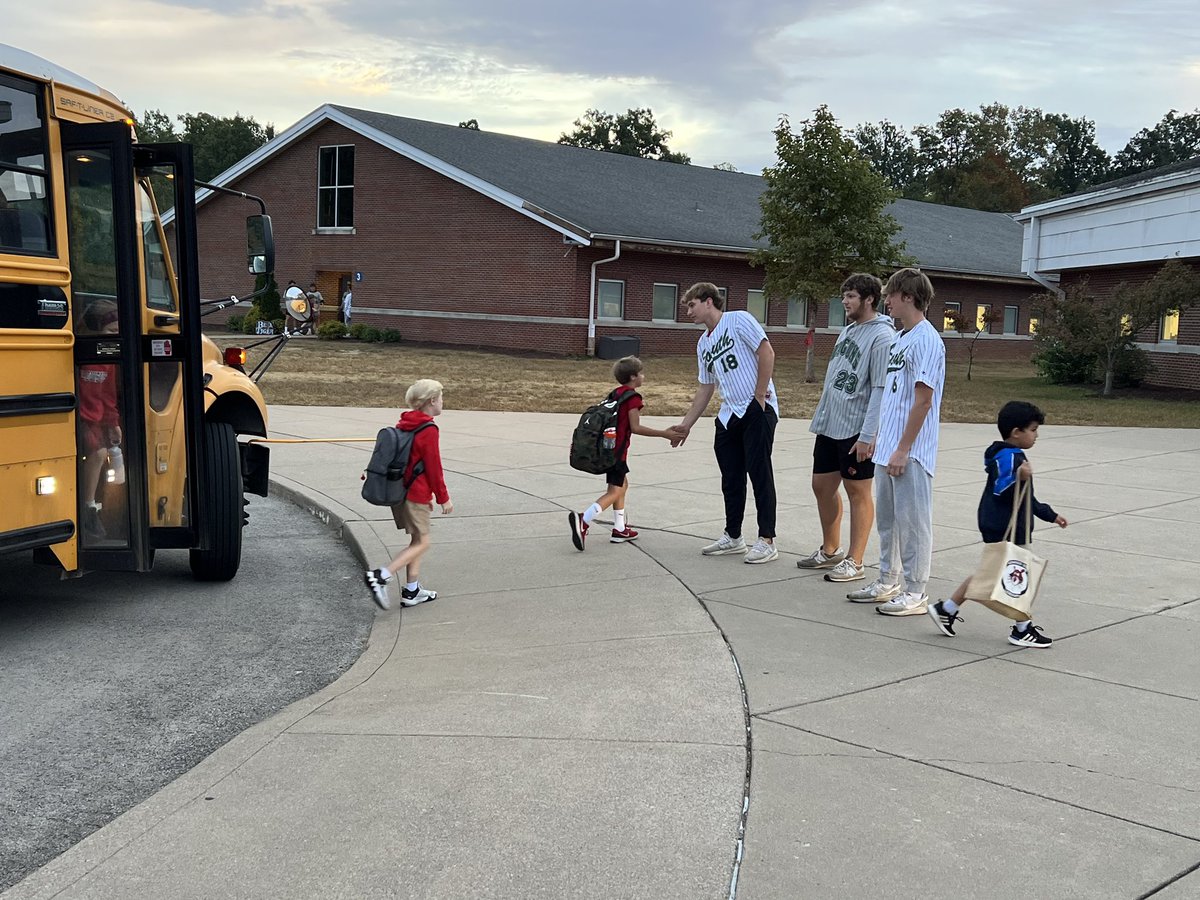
[(426, 244)]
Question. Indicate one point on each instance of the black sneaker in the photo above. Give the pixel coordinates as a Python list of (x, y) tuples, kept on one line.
[(944, 620), (420, 595), (1030, 637), (378, 585), (579, 529)]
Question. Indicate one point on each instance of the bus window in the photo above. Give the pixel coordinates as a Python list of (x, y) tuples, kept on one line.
[(93, 241), (24, 206), (160, 294)]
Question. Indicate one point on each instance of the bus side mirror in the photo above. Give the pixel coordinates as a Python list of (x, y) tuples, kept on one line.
[(260, 245)]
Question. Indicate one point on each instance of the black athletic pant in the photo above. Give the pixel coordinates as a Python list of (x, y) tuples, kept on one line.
[(744, 448)]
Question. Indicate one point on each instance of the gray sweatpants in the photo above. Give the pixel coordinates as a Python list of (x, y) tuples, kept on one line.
[(904, 517)]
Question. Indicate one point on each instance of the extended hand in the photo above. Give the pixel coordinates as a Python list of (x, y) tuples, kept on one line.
[(683, 431)]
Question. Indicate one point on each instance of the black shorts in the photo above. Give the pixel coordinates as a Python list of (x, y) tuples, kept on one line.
[(616, 475), (830, 455)]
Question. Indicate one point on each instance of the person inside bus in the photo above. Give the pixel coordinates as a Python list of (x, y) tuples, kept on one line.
[(99, 422)]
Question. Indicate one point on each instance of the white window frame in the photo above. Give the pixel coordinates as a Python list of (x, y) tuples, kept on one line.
[(762, 302), (1016, 311), (674, 302), (338, 227), (836, 308), (600, 282)]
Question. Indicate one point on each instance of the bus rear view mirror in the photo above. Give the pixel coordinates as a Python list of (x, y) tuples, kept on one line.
[(260, 245)]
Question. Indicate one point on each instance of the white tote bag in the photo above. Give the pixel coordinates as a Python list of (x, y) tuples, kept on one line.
[(1009, 575)]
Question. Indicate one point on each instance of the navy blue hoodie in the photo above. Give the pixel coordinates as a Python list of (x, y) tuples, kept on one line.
[(1001, 461)]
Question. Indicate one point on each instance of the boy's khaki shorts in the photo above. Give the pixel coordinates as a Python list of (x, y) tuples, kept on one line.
[(412, 517)]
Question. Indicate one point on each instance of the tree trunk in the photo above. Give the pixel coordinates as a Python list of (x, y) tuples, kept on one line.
[(810, 374), (1108, 379)]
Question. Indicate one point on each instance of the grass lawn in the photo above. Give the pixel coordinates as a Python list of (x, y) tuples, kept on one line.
[(350, 373)]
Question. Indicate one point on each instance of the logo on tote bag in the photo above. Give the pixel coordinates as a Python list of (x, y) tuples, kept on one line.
[(1015, 579)]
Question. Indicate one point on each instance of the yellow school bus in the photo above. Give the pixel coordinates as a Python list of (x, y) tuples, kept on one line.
[(122, 429)]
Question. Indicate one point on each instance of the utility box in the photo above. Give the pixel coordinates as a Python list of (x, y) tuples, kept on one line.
[(618, 346)]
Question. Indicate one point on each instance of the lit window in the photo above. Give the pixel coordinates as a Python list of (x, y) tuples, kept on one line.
[(950, 316), (335, 187), (982, 311), (1127, 324), (611, 297), (1170, 326), (756, 305), (1011, 317), (665, 298), (1033, 324), (797, 313)]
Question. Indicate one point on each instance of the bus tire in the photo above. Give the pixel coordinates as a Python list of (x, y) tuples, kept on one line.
[(221, 503)]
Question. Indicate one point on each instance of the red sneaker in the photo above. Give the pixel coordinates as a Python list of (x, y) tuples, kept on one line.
[(621, 537), (579, 529)]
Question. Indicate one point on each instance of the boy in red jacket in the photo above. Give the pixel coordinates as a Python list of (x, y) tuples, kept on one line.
[(425, 400)]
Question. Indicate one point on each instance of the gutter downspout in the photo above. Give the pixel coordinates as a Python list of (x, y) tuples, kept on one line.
[(1035, 242), (591, 337)]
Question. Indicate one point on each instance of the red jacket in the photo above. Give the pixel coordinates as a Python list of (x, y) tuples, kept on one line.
[(431, 483)]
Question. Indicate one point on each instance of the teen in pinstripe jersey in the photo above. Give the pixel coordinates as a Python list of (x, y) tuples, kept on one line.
[(734, 353), (906, 444), (845, 422)]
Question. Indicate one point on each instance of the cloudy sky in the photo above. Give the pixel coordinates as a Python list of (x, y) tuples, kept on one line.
[(718, 75)]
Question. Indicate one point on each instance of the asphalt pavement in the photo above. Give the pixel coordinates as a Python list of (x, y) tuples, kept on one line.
[(641, 721)]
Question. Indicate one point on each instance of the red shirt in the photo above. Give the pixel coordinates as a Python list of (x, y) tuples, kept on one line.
[(623, 432), (431, 483)]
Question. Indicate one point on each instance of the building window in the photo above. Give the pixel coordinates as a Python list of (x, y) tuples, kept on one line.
[(666, 298), (950, 316), (837, 313), (611, 296), (756, 305), (1011, 317), (982, 312), (335, 187), (1170, 326), (1033, 324), (724, 292), (797, 313)]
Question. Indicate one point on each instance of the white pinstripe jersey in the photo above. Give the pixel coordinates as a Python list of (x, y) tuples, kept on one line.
[(728, 357), (917, 356), (853, 391)]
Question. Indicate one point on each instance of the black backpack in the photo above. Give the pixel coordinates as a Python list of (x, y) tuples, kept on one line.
[(590, 452), (383, 480)]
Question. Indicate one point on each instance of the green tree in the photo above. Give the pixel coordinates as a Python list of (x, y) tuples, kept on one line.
[(1102, 326), (154, 127), (633, 133), (892, 153), (978, 326), (472, 124), (1075, 161), (726, 167), (822, 214), (1174, 139), (218, 143)]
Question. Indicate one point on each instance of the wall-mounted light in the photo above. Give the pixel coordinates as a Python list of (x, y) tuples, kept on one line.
[(46, 485), (83, 158)]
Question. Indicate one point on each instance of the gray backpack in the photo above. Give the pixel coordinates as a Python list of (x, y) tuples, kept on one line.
[(383, 480)]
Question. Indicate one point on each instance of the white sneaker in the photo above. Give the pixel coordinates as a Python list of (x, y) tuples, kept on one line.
[(725, 544), (761, 552), (905, 604), (875, 592), (412, 598), (819, 559), (846, 570)]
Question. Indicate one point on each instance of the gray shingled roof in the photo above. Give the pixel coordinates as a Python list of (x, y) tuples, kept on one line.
[(622, 196)]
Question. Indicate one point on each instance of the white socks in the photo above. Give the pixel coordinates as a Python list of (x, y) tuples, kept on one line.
[(412, 586), (619, 519), (590, 513), (384, 573)]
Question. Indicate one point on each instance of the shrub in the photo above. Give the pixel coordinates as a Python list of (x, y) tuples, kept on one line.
[(1060, 365), (234, 323), (357, 329), (1131, 367), (278, 325), (390, 336), (370, 334), (250, 322), (328, 331)]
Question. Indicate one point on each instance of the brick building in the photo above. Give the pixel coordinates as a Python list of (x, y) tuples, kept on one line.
[(1124, 231), (459, 236)]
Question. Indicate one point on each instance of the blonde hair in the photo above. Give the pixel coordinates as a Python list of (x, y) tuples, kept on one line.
[(913, 282), (421, 392)]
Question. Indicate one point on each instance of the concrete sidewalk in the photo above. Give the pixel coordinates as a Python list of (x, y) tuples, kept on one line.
[(602, 724)]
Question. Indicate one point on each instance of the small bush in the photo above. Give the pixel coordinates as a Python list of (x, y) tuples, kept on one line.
[(250, 322), (328, 331), (234, 323), (1131, 367), (390, 336), (370, 334), (1060, 365), (278, 325), (356, 330)]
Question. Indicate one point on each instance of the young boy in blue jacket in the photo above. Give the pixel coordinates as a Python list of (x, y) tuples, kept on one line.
[(1006, 467)]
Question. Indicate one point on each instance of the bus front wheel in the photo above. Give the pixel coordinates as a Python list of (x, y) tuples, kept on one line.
[(221, 503)]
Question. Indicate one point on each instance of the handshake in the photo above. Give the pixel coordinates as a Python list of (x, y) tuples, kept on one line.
[(677, 434)]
